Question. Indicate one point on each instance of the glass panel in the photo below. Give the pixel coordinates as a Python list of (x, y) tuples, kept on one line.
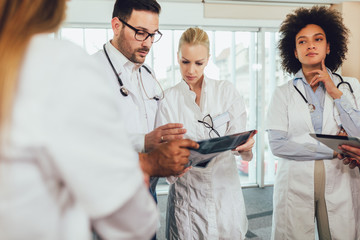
[(74, 35), (274, 77), (95, 39), (234, 59), (162, 59), (109, 34)]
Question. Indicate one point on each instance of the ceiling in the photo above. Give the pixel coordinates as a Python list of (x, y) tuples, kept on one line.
[(251, 1), (265, 1)]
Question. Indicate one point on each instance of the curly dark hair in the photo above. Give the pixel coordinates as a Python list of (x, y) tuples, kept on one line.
[(329, 20)]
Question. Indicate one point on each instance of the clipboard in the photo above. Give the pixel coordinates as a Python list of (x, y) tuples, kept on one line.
[(333, 141), (221, 144)]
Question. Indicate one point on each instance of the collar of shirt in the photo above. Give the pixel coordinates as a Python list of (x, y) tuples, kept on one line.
[(316, 98), (300, 76), (186, 89), (186, 86), (120, 60)]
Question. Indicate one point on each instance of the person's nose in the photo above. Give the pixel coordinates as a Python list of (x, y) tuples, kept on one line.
[(147, 42), (191, 69), (311, 45)]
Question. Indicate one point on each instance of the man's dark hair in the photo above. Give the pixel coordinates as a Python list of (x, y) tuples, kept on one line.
[(329, 20), (124, 8)]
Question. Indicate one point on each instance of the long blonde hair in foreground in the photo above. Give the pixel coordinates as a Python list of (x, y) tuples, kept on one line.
[(19, 21)]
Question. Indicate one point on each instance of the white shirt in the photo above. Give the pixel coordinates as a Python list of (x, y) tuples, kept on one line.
[(138, 109), (68, 154)]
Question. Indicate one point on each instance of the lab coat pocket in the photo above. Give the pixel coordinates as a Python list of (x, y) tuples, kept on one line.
[(221, 123)]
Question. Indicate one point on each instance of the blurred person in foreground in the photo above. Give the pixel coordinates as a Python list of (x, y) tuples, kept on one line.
[(64, 153)]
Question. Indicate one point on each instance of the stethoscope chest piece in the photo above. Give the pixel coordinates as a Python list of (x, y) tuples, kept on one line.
[(311, 107), (124, 91)]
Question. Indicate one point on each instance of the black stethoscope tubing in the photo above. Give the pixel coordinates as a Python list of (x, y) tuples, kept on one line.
[(123, 90), (311, 106), (342, 81)]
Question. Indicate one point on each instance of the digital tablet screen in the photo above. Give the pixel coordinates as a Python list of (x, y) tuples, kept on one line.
[(224, 143), (333, 141)]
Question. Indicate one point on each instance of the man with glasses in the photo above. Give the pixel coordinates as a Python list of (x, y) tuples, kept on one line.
[(135, 24)]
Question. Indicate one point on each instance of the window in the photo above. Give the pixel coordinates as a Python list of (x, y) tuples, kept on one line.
[(248, 59)]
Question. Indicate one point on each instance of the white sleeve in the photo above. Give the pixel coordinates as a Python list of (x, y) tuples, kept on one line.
[(238, 118), (348, 107), (120, 225), (237, 113), (162, 114), (137, 141), (162, 117), (277, 115), (89, 145)]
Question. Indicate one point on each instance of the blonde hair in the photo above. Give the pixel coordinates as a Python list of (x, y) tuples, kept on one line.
[(194, 36), (19, 21)]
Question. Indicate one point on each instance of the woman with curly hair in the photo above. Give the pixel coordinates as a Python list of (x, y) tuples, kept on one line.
[(312, 188)]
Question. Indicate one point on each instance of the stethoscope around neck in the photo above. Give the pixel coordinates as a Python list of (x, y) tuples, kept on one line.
[(312, 107), (123, 90)]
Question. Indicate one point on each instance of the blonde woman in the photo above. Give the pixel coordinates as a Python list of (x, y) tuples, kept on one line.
[(63, 153), (207, 201)]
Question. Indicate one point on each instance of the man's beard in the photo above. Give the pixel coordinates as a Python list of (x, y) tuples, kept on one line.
[(138, 59), (128, 53)]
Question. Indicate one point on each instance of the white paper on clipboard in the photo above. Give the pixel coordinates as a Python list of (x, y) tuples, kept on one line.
[(333, 141)]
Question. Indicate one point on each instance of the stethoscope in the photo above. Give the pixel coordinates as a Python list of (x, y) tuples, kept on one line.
[(123, 90), (312, 106)]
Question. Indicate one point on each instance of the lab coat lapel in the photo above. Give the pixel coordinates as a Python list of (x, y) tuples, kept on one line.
[(328, 113), (300, 106), (119, 60), (128, 84), (329, 106)]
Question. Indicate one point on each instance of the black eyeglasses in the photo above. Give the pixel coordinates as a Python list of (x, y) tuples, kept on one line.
[(208, 123), (142, 35)]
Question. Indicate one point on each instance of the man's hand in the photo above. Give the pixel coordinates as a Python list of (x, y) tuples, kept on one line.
[(169, 159), (164, 133), (352, 157)]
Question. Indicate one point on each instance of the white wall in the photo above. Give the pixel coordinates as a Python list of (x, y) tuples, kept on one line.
[(351, 15), (211, 15)]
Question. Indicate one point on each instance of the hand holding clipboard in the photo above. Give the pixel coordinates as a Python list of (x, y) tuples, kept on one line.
[(347, 147), (210, 148)]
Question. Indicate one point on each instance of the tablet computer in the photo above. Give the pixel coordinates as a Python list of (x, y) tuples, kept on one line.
[(224, 143), (333, 141)]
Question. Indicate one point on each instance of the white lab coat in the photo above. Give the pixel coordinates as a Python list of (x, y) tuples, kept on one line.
[(293, 216), (206, 203), (139, 111), (68, 156)]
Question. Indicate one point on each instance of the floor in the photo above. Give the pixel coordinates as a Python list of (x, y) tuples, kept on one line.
[(258, 203)]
